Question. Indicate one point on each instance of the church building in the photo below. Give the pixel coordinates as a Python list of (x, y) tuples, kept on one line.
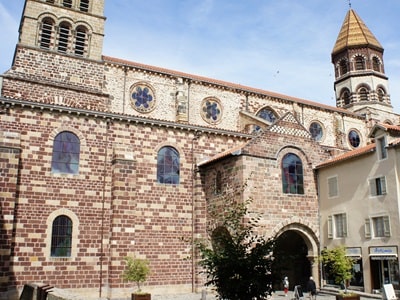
[(101, 158)]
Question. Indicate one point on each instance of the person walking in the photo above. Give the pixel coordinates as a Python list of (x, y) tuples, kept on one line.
[(312, 288), (286, 286)]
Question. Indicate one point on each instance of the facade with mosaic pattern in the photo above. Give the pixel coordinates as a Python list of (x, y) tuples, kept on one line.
[(120, 158)]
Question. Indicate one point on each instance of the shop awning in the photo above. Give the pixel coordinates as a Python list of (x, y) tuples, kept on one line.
[(383, 256)]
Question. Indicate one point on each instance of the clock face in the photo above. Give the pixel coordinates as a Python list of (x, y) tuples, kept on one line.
[(267, 114)]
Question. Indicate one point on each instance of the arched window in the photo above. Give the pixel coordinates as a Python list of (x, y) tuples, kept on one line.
[(67, 3), (66, 151), (46, 33), (359, 63), (80, 41), (376, 64), (292, 174), (346, 97), (63, 37), (354, 138), (61, 237), (316, 131), (363, 92), (168, 166), (84, 5), (381, 95), (343, 67)]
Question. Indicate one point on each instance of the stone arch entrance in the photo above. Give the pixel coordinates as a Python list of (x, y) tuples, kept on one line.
[(295, 256)]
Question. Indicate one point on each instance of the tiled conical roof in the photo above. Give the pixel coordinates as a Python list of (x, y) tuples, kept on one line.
[(354, 33)]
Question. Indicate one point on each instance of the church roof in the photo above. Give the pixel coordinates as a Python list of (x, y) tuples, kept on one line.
[(354, 33)]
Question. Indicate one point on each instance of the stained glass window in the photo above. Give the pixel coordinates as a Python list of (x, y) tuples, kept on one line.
[(316, 131), (168, 166), (354, 138), (292, 174), (142, 98), (211, 110), (61, 237), (66, 151), (267, 114)]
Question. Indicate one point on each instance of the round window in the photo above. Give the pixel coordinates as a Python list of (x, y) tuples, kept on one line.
[(211, 110), (142, 97), (354, 138), (316, 131)]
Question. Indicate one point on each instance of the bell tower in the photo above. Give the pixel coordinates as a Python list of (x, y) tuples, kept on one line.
[(70, 27), (361, 85)]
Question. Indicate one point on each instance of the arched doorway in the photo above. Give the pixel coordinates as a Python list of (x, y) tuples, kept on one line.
[(295, 256)]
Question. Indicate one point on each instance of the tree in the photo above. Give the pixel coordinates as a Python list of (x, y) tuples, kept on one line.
[(337, 264), (136, 270), (236, 260)]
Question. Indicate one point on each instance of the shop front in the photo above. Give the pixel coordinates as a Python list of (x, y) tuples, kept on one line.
[(384, 267)]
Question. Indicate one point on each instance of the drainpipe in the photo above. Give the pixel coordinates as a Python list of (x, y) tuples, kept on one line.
[(193, 250), (103, 208)]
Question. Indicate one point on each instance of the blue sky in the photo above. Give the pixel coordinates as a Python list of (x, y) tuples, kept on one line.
[(282, 46)]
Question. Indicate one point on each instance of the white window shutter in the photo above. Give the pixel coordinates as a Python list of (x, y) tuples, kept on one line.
[(344, 225), (386, 226), (330, 228), (367, 228), (372, 186)]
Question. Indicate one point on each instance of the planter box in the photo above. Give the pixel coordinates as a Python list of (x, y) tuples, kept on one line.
[(348, 297), (141, 296)]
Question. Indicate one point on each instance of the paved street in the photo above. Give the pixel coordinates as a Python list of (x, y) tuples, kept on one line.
[(279, 295)]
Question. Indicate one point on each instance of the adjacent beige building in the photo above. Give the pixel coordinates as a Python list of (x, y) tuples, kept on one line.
[(359, 196)]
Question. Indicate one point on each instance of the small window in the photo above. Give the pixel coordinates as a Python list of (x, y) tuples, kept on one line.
[(267, 114), (337, 226), (292, 174), (346, 97), (46, 33), (333, 187), (168, 166), (378, 186), (218, 183), (84, 5), (316, 131), (354, 138), (63, 37), (381, 145), (343, 67), (376, 64), (381, 95), (66, 151), (67, 3), (363, 92), (80, 41), (360, 63), (381, 226), (61, 237)]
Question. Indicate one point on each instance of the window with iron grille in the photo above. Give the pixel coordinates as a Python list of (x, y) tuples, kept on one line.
[(61, 237)]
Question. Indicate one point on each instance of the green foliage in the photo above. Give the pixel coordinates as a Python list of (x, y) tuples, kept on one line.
[(337, 264), (236, 260), (136, 270)]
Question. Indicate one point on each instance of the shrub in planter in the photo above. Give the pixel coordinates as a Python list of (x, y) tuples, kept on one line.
[(137, 271)]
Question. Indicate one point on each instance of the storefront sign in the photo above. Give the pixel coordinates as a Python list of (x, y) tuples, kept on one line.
[(383, 253), (353, 251)]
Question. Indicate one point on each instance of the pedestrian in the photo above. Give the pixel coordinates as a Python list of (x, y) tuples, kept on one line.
[(285, 285), (312, 288)]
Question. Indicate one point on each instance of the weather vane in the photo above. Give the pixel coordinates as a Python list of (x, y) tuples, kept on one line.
[(349, 3)]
